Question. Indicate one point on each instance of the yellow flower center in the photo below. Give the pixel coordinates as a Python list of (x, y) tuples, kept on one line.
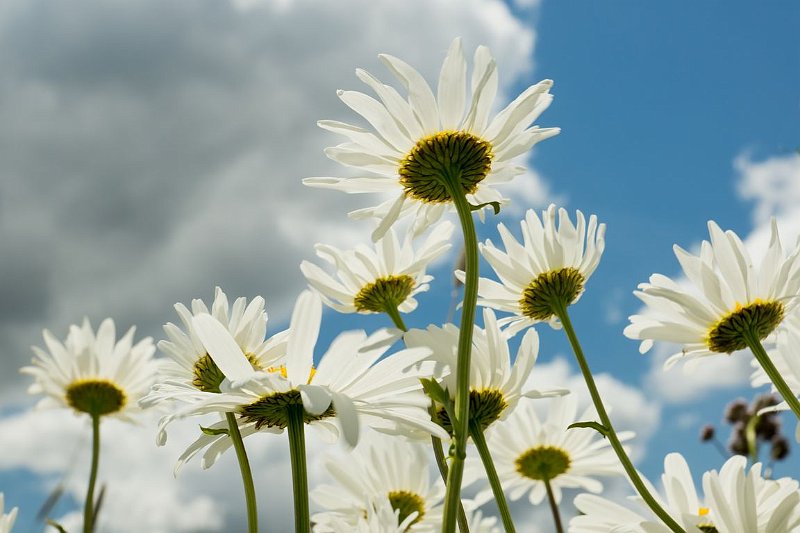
[(208, 376), (759, 319), (445, 160), (485, 406), (96, 397), (549, 291), (543, 463), (389, 291), (706, 527), (407, 503), (272, 410)]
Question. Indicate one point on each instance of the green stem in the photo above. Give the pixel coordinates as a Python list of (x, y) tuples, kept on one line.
[(494, 480), (752, 438), (763, 359), (460, 424), (88, 506), (553, 506), (441, 462), (561, 311), (247, 476), (394, 314), (297, 450)]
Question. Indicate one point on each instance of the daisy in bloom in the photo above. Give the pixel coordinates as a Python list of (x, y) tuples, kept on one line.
[(6, 519), (189, 374), (379, 517), (495, 385), (424, 148), (380, 279), (349, 387), (531, 453), (728, 302), (550, 267), (735, 501), (93, 373), (382, 467)]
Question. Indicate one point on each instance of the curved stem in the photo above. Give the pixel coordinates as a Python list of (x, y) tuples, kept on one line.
[(297, 451), (88, 506), (247, 476), (460, 424), (561, 311), (553, 506), (491, 473), (394, 314), (441, 462), (763, 359), (752, 438)]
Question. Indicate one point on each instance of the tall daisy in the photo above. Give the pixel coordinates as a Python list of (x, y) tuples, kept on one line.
[(423, 149), (97, 375), (381, 467), (553, 262), (383, 279), (6, 519), (735, 501), (540, 458), (729, 305)]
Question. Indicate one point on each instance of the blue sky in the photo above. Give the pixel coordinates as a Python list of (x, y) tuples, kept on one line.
[(657, 103)]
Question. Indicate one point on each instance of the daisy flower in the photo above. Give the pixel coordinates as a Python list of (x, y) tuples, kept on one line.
[(528, 451), (379, 517), (382, 467), (549, 268), (350, 386), (93, 373), (728, 300), (189, 374), (495, 385), (6, 519), (423, 148), (380, 279), (735, 501)]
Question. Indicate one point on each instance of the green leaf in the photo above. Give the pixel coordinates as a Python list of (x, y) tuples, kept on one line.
[(435, 391), (214, 432), (56, 525), (495, 207), (600, 428)]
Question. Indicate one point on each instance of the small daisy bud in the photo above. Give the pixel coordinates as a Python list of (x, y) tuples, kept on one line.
[(736, 411), (763, 401), (707, 433), (738, 442), (780, 448), (768, 426)]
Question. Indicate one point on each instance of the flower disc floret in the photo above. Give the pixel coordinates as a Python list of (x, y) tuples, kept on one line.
[(96, 397), (207, 375), (445, 161), (543, 463), (485, 406), (407, 503), (272, 410), (549, 291), (384, 293), (758, 319)]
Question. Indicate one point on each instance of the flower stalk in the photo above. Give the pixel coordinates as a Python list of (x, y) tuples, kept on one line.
[(297, 451), (247, 476), (88, 506), (553, 505), (491, 472), (753, 342), (560, 310)]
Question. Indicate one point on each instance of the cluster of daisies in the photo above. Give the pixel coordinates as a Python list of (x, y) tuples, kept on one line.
[(392, 396)]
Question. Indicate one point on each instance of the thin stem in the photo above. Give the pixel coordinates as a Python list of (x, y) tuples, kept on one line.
[(394, 314), (763, 359), (460, 424), (88, 506), (441, 462), (553, 506), (297, 450), (721, 449), (494, 480), (247, 476), (752, 438), (561, 311)]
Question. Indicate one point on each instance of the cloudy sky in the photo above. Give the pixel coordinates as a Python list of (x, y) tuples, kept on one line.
[(152, 150)]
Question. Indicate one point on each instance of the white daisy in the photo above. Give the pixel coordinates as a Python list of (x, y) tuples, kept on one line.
[(553, 263), (735, 502), (382, 467), (350, 386), (6, 519), (379, 517), (380, 279), (495, 385), (728, 300), (189, 374), (423, 147), (94, 373), (528, 450)]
